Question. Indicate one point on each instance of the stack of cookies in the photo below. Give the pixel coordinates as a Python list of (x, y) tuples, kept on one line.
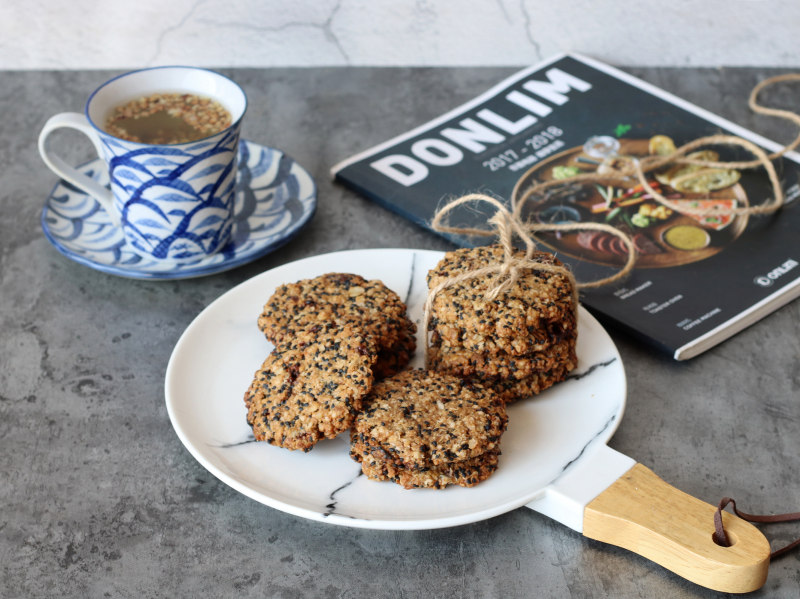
[(517, 344), (334, 335), (428, 429)]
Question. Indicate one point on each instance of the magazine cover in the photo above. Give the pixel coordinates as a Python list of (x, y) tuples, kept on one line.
[(699, 277)]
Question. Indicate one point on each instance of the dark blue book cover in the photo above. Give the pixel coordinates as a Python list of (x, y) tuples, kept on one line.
[(698, 279)]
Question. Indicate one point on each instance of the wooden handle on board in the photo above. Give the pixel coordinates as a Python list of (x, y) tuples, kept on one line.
[(642, 513)]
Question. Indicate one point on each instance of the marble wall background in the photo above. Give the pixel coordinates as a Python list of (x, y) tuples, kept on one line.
[(79, 34)]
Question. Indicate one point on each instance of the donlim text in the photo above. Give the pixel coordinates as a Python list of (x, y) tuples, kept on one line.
[(477, 131)]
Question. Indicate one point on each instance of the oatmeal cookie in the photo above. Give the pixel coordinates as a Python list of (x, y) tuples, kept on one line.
[(311, 386), (340, 298), (425, 419)]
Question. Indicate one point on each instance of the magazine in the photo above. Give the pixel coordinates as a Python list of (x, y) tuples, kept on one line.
[(698, 279)]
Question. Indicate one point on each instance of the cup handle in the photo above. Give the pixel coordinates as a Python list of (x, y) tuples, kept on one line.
[(76, 120)]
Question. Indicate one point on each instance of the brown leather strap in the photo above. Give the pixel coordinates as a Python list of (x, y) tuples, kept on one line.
[(721, 537)]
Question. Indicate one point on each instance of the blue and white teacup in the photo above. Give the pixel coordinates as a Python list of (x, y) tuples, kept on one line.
[(173, 202)]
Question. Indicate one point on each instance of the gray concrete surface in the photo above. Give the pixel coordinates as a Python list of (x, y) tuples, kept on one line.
[(98, 497)]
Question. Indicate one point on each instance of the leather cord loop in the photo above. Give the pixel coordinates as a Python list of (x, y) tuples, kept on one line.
[(720, 536)]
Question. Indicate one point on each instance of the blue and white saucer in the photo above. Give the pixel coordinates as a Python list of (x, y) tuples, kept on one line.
[(275, 198)]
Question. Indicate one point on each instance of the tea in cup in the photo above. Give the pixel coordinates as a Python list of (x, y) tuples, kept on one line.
[(169, 137)]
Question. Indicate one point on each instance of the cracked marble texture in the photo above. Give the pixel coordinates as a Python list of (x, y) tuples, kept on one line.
[(261, 33)]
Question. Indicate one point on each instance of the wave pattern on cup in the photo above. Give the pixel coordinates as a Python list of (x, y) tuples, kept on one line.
[(171, 212)]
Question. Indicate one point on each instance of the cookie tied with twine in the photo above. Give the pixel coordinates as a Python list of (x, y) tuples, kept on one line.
[(504, 320), (515, 264)]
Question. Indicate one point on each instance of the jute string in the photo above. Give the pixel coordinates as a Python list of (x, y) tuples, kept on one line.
[(506, 225)]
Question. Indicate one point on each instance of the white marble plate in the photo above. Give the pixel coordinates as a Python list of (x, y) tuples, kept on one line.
[(275, 198), (216, 357)]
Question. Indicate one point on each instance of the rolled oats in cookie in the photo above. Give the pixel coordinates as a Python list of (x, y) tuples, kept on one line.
[(343, 299), (311, 386), (423, 419), (536, 312)]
